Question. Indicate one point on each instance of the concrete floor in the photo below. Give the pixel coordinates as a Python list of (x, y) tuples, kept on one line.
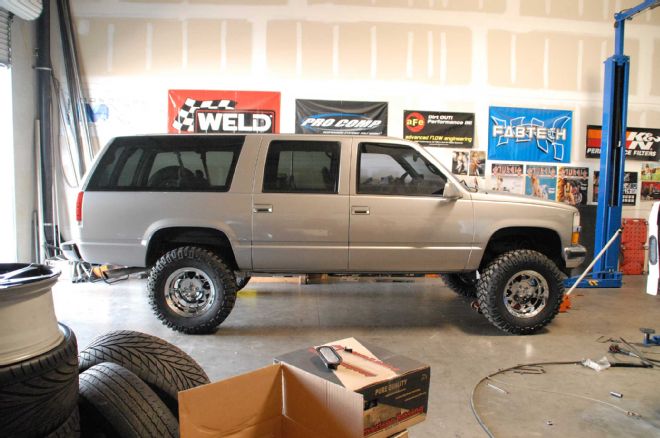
[(424, 320)]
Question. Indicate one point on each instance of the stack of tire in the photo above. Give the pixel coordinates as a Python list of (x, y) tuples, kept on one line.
[(124, 384), (129, 383)]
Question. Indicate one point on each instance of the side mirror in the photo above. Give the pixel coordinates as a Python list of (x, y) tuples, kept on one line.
[(451, 191)]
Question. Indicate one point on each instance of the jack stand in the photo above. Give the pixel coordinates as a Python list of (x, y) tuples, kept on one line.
[(648, 339)]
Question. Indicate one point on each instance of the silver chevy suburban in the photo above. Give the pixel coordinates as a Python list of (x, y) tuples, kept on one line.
[(204, 212)]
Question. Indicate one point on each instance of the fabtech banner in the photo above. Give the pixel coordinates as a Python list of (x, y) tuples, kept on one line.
[(439, 128), (211, 111), (524, 134), (642, 144), (341, 117)]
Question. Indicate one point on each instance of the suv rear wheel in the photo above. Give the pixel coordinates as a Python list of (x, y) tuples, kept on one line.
[(520, 291), (191, 290)]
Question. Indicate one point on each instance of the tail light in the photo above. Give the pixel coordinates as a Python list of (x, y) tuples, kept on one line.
[(79, 202)]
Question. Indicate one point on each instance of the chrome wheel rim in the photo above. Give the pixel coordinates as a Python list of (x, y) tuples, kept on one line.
[(526, 294), (189, 292)]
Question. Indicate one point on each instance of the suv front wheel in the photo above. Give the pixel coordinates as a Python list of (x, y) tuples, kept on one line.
[(191, 290), (520, 291)]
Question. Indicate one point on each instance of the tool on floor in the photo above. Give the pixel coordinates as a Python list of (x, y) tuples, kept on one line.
[(616, 394), (648, 339)]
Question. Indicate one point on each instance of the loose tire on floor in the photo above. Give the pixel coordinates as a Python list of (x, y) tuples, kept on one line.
[(163, 366), (462, 284), (520, 291), (115, 402), (69, 429), (191, 290), (39, 394)]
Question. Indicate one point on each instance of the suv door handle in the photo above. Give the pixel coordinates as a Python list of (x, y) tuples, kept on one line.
[(360, 210), (262, 208)]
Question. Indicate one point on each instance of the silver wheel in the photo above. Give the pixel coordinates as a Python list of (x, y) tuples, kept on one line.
[(526, 294), (189, 292)]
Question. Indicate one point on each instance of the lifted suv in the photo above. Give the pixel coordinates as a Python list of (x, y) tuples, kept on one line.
[(204, 212)]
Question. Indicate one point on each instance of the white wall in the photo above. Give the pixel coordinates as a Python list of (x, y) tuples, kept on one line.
[(415, 54), (23, 35)]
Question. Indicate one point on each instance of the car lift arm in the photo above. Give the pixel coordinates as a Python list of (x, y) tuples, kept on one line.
[(612, 157)]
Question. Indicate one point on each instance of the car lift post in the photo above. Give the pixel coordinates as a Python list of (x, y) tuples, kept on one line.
[(606, 272)]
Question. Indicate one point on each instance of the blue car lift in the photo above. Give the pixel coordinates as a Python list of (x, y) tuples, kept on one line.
[(612, 159)]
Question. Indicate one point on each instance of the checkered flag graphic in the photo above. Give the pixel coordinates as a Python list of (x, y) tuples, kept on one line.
[(185, 121)]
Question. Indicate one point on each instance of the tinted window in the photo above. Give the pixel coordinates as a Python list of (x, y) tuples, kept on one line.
[(396, 170), (168, 163), (302, 167)]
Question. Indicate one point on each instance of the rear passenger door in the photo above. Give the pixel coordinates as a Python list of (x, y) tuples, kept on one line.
[(300, 206)]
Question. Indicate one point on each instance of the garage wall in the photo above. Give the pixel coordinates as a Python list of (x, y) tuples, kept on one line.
[(456, 55), (24, 104)]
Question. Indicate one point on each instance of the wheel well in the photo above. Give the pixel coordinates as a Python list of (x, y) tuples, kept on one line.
[(167, 239), (543, 240)]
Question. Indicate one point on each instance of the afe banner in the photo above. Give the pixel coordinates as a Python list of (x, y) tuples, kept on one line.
[(213, 112), (341, 117), (439, 128), (525, 134), (642, 144)]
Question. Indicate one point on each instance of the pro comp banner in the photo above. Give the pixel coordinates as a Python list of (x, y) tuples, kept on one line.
[(642, 144), (439, 128), (341, 117), (211, 111), (524, 134)]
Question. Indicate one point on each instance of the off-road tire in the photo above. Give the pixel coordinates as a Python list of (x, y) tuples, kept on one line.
[(70, 428), (39, 394), (161, 365), (490, 290), (241, 282), (464, 285), (213, 267), (115, 402)]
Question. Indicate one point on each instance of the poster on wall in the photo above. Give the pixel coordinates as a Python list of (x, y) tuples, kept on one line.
[(573, 185), (213, 111), (642, 144), (477, 163), (650, 182), (460, 162), (541, 182), (442, 129), (629, 188), (474, 182), (525, 134), (341, 117), (507, 178)]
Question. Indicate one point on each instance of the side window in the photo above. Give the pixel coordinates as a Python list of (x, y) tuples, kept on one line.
[(302, 167), (385, 169), (172, 163)]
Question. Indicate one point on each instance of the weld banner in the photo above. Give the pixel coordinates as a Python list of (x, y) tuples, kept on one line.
[(439, 128), (211, 111), (524, 134), (341, 117), (642, 144)]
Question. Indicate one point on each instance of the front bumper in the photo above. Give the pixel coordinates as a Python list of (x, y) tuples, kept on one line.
[(574, 255), (70, 251)]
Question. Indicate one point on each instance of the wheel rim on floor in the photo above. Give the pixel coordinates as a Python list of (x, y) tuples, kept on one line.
[(526, 294), (189, 292)]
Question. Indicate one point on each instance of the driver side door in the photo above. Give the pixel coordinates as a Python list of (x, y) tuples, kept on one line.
[(400, 222)]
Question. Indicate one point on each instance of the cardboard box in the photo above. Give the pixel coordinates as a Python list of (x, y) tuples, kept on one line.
[(394, 388), (304, 399)]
